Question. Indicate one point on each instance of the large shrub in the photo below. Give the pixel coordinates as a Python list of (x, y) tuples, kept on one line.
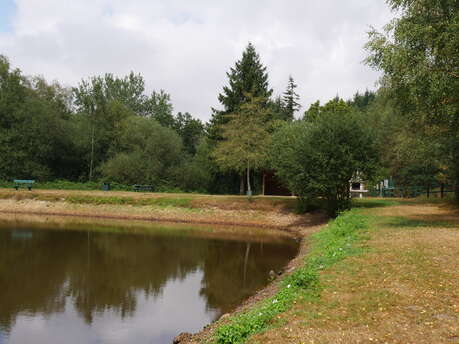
[(318, 158)]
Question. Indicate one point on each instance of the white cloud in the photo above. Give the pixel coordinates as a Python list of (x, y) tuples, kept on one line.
[(186, 47)]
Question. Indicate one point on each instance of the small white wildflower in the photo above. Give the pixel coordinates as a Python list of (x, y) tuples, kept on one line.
[(275, 301), (260, 314), (289, 286)]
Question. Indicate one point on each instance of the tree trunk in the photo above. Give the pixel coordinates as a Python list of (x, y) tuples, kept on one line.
[(241, 185), (249, 188), (264, 181), (91, 164)]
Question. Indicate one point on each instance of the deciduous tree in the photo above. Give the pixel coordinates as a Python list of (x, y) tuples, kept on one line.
[(419, 55), (246, 139), (317, 159)]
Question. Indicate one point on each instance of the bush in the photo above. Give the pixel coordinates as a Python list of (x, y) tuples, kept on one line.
[(317, 159)]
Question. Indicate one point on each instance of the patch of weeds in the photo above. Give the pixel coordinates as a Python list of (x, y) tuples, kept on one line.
[(159, 202), (329, 246), (374, 203), (99, 200), (412, 223), (171, 202)]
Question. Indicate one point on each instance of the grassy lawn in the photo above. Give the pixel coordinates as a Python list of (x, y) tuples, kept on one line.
[(398, 282)]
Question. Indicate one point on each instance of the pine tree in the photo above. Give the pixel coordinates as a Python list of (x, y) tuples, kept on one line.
[(290, 99), (248, 76)]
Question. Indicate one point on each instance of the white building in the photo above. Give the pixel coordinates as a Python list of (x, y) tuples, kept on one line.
[(357, 187)]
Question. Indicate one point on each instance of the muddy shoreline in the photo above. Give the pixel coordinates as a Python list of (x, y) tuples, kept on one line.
[(291, 230)]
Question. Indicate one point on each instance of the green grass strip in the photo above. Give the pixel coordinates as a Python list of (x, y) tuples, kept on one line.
[(159, 201), (332, 244)]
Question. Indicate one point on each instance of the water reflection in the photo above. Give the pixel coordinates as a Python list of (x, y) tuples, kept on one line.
[(93, 287)]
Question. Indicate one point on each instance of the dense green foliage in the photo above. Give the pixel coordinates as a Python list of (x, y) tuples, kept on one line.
[(29, 110), (419, 55), (145, 151), (247, 77), (317, 158), (290, 100), (104, 129), (329, 246), (245, 139)]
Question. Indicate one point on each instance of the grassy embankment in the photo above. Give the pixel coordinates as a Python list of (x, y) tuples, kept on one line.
[(182, 200), (274, 212), (385, 272)]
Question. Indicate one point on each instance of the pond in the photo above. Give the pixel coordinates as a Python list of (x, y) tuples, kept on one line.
[(118, 285)]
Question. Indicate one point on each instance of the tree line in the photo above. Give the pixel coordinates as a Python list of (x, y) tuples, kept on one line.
[(108, 128)]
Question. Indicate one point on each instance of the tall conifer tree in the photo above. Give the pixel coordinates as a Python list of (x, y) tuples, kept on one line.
[(290, 99), (248, 76)]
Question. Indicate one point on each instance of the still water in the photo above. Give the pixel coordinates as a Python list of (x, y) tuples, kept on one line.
[(84, 286)]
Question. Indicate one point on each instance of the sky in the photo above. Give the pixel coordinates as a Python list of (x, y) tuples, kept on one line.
[(186, 47)]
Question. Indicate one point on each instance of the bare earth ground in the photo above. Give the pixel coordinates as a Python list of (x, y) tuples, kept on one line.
[(403, 289)]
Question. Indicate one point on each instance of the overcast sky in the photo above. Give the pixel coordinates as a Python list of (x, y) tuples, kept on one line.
[(186, 46)]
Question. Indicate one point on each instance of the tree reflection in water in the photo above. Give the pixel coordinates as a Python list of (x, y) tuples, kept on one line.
[(107, 275)]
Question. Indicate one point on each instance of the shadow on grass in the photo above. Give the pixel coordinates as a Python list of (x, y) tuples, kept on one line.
[(413, 223), (374, 203)]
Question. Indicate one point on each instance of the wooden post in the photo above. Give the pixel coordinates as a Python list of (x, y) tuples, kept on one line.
[(442, 190)]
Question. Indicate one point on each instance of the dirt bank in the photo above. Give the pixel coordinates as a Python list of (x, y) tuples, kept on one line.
[(262, 212)]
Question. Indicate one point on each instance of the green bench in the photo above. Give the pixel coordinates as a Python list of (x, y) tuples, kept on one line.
[(145, 188), (22, 182)]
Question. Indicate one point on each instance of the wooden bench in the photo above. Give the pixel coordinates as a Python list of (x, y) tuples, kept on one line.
[(145, 188), (22, 182)]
